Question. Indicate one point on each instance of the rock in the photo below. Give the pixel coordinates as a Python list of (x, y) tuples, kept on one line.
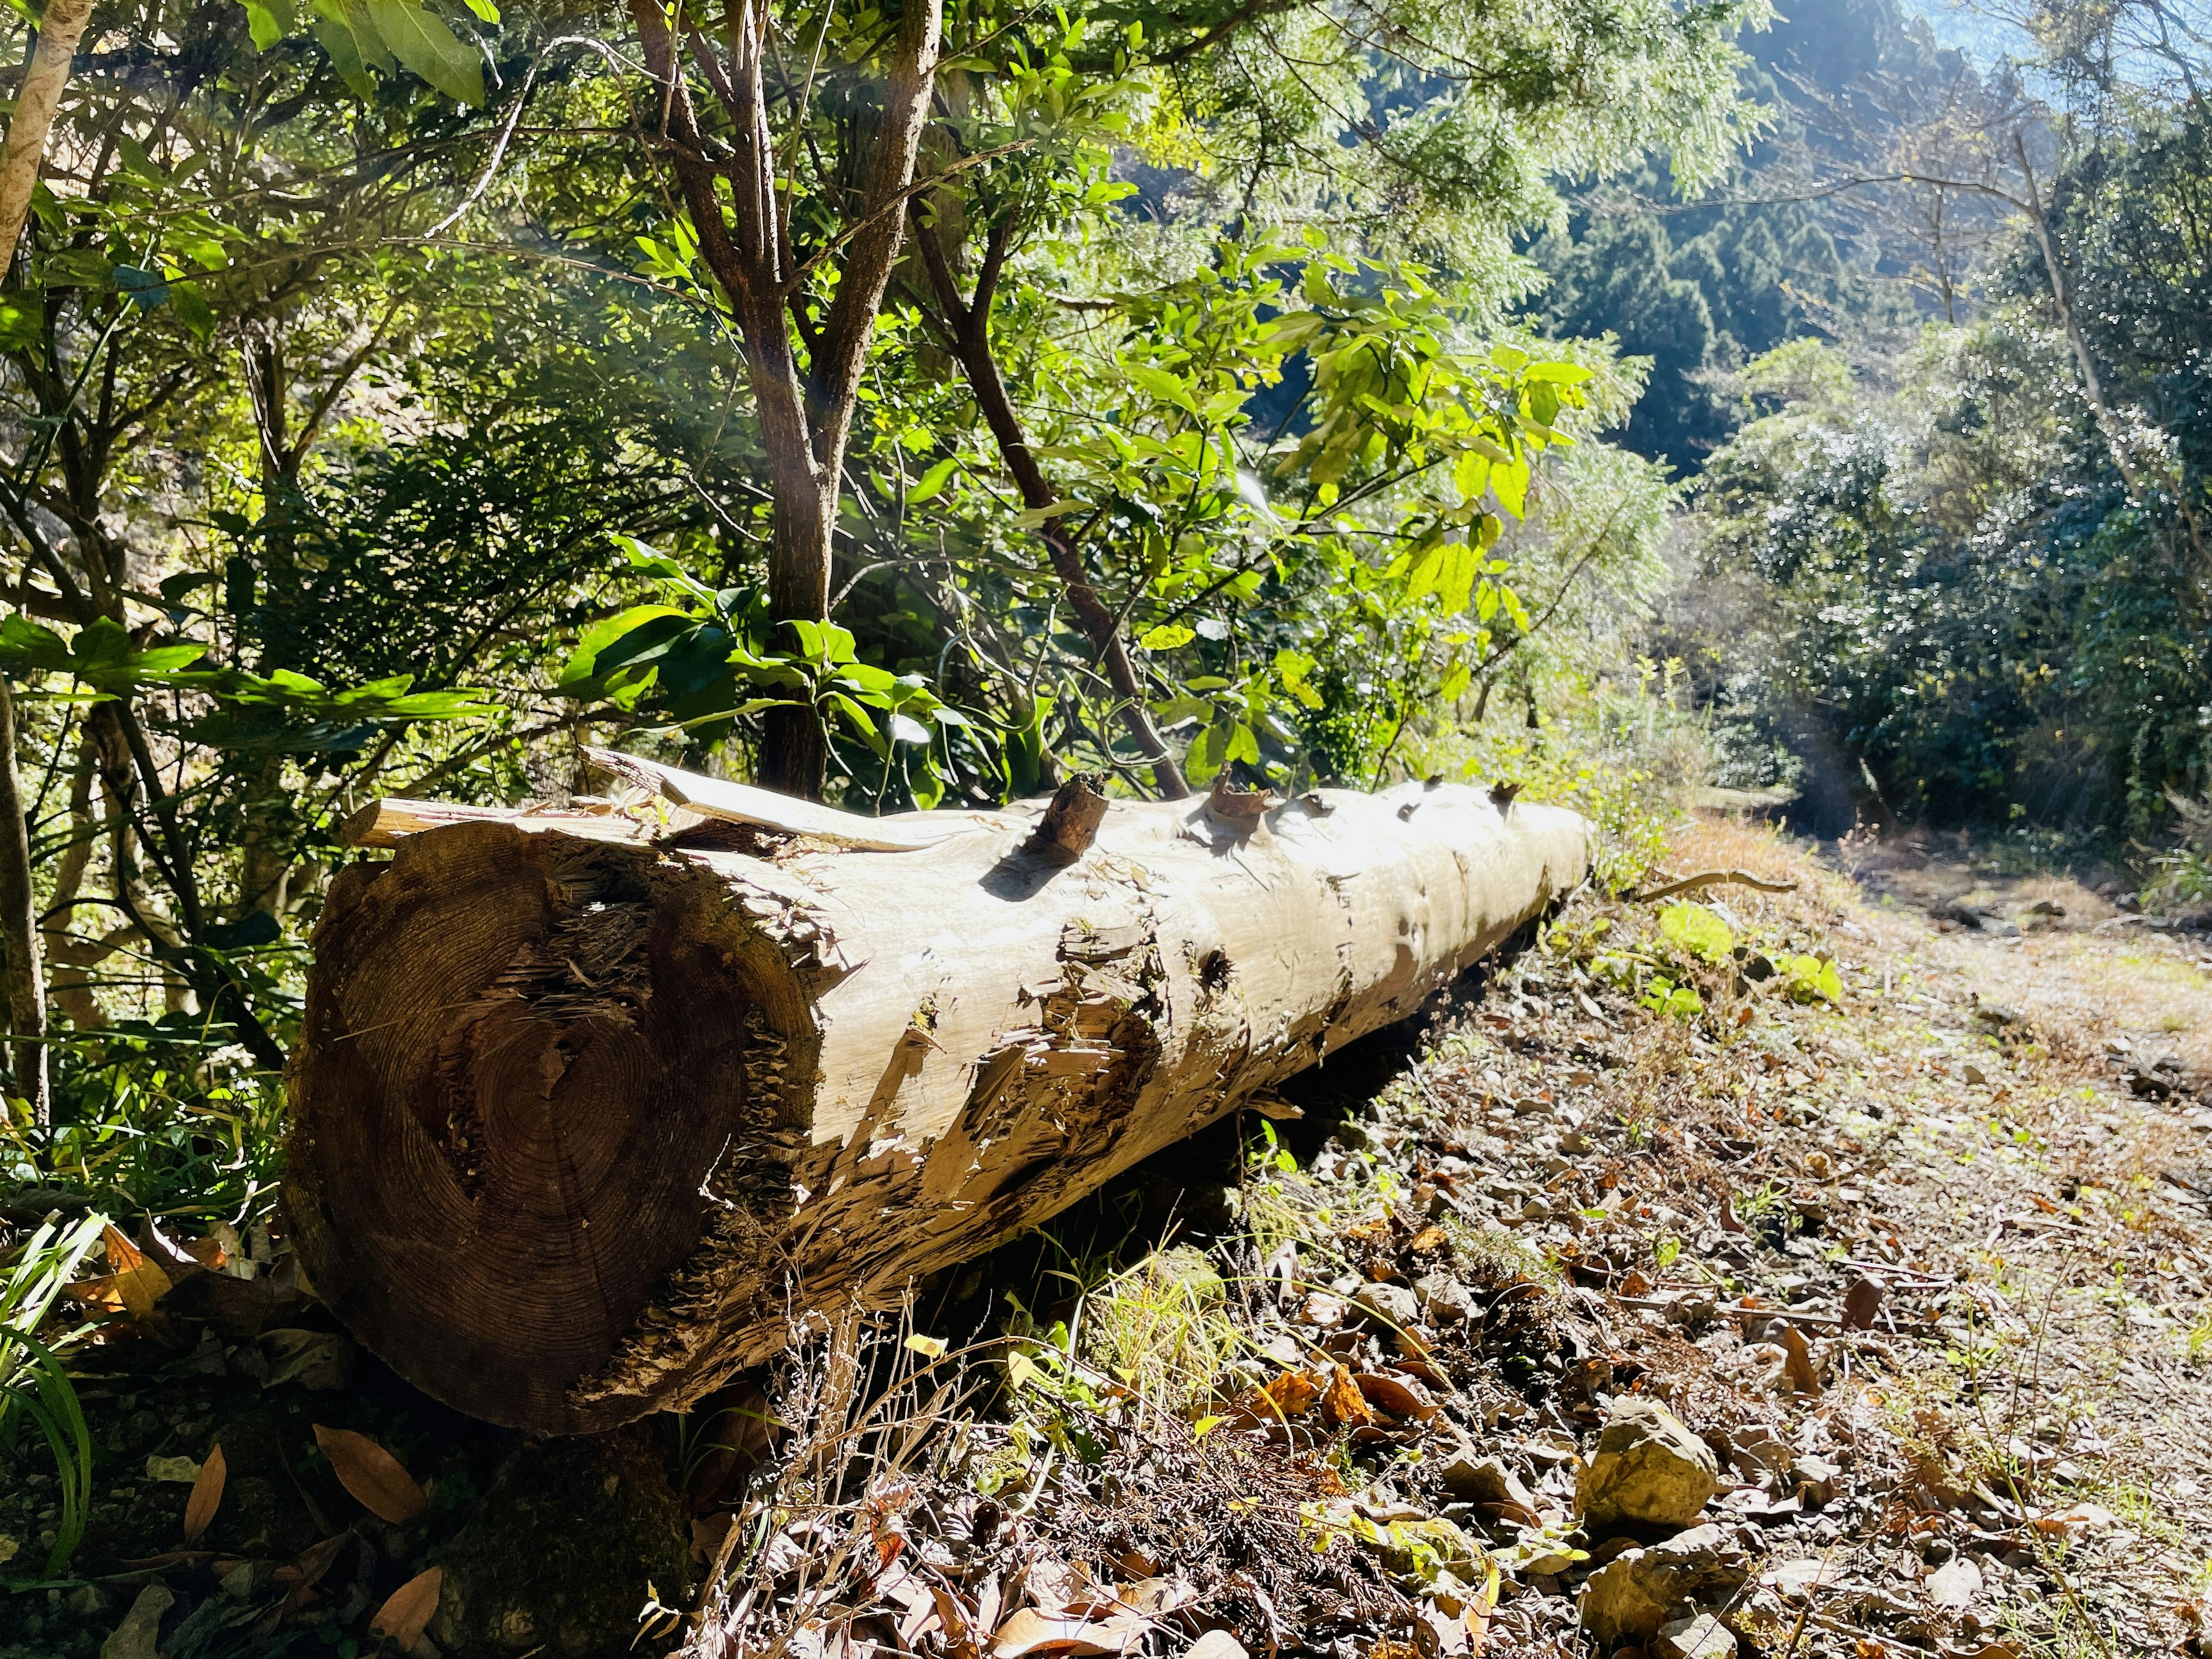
[(1215, 1644), (137, 1636), (1701, 1637), (1470, 1478), (1648, 1473), (1391, 1304), (1815, 1479), (1633, 1595)]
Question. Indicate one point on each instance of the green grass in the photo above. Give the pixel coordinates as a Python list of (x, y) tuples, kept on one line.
[(35, 1390)]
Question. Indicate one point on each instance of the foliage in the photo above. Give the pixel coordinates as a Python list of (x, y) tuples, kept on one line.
[(35, 1389), (371, 422)]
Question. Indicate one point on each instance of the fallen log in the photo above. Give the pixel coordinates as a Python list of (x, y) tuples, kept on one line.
[(588, 1103)]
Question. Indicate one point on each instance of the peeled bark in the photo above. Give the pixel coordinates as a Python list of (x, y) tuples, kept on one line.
[(583, 1113)]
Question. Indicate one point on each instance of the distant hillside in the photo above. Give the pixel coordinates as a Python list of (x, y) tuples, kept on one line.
[(1700, 289)]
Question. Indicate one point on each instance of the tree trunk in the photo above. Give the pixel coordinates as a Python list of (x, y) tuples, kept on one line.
[(20, 964), (25, 151), (582, 1116)]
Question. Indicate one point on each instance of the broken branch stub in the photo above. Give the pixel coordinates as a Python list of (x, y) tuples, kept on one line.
[(579, 1121), (1070, 822)]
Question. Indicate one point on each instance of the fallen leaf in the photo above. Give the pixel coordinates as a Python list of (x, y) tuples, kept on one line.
[(207, 1496), (406, 1612), (1428, 1238), (1799, 1363), (319, 1361), (1342, 1403), (1729, 1221), (372, 1475), (305, 1571), (952, 1619), (707, 1534), (1798, 1577), (1027, 1631), (1954, 1585), (1396, 1395), (1293, 1393), (1861, 1303)]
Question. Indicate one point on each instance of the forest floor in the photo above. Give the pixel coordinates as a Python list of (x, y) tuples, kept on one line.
[(1894, 1190)]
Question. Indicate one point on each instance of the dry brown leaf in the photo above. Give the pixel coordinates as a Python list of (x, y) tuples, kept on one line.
[(1029, 1632), (1343, 1403), (1799, 1361), (1428, 1238), (207, 1496), (960, 1634), (1293, 1393), (1396, 1395), (373, 1474), (1861, 1303), (406, 1612), (305, 1571), (135, 1283)]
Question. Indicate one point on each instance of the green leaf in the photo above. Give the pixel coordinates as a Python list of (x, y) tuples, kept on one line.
[(269, 21), (932, 482), (419, 39), (356, 50), (192, 311), (581, 665), (1166, 637), (22, 321), (1168, 388), (1697, 930)]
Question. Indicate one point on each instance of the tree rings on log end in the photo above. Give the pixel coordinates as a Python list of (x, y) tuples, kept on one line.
[(527, 1062)]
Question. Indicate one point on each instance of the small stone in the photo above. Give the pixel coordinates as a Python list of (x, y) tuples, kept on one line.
[(1470, 1478), (1649, 1473), (1701, 1637), (137, 1636), (1815, 1479), (1634, 1594)]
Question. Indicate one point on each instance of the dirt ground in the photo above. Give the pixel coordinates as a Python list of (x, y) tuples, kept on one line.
[(1901, 1205)]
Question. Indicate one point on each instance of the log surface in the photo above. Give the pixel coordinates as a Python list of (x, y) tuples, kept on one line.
[(578, 1121)]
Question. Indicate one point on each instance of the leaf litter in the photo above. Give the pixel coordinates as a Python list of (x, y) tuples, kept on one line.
[(1905, 1264)]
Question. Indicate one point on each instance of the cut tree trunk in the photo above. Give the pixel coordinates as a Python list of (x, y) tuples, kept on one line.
[(588, 1106)]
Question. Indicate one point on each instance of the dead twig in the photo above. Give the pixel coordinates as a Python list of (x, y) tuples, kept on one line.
[(1705, 879)]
